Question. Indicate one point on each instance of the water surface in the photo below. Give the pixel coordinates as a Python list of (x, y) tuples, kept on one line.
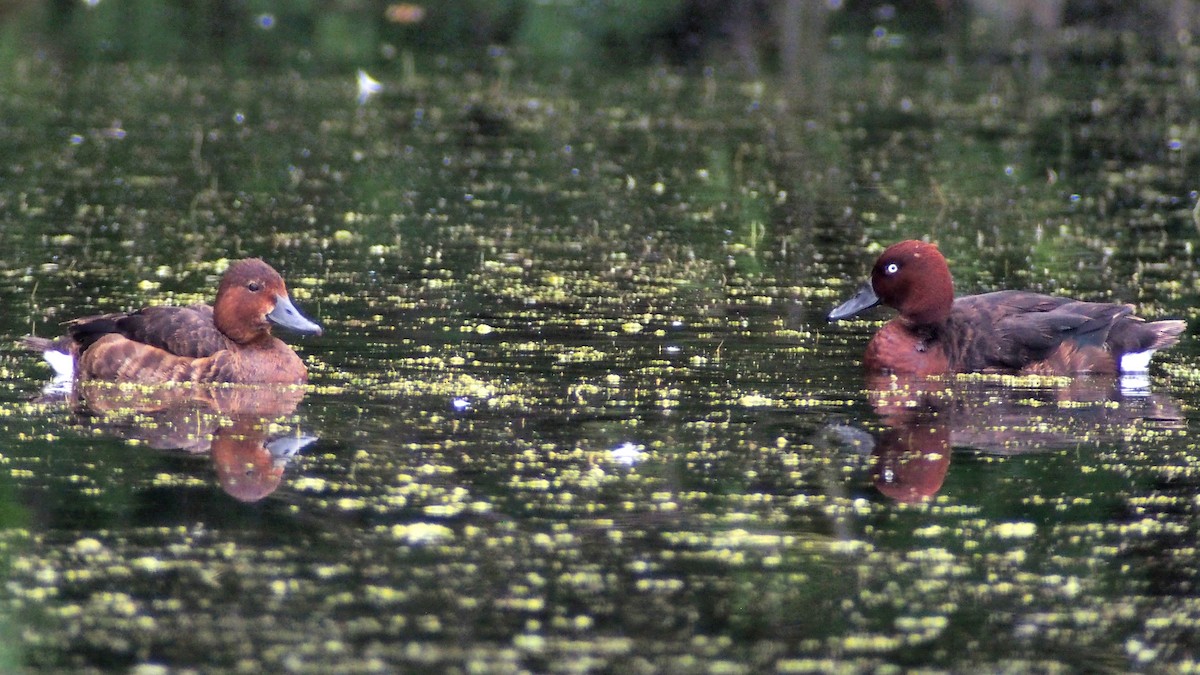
[(577, 407)]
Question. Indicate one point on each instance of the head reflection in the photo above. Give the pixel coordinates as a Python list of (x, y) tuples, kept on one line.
[(910, 461), (249, 461)]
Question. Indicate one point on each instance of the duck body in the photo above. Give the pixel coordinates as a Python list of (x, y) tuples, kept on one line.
[(228, 342), (1015, 332)]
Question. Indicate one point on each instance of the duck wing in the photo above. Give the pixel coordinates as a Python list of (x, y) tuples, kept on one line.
[(1016, 329), (1035, 336), (182, 331)]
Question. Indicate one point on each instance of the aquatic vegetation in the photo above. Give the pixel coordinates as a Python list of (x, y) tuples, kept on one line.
[(577, 407)]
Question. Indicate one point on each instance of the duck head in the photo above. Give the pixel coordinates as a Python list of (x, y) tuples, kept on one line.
[(250, 298), (911, 277)]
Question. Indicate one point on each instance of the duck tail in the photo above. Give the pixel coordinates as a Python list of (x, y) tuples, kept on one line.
[(60, 354), (37, 344), (1137, 347), (1166, 332)]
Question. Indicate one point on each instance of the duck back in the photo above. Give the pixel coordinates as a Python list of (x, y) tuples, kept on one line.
[(1031, 333), (182, 331)]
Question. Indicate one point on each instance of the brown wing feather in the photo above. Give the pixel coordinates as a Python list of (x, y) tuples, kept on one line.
[(182, 331), (117, 358), (1017, 330), (1027, 338)]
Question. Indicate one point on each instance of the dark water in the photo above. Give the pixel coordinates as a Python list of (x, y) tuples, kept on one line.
[(577, 407)]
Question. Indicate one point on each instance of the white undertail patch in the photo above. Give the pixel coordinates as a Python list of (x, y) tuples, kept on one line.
[(1136, 362), (63, 365)]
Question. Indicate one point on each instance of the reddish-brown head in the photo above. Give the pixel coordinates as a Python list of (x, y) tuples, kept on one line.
[(251, 296), (913, 277)]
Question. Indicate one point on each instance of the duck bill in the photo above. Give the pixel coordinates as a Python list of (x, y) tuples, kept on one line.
[(285, 448), (863, 300), (285, 314)]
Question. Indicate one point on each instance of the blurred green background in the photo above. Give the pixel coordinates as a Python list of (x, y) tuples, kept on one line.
[(748, 34)]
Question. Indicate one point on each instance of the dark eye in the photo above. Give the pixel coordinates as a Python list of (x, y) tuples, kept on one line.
[(254, 287), (891, 268)]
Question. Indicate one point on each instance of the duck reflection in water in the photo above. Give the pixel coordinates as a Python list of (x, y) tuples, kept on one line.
[(241, 426), (927, 418), (250, 460)]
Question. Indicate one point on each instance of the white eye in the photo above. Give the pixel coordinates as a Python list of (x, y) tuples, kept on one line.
[(891, 268)]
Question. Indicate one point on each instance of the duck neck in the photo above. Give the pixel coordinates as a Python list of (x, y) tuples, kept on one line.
[(244, 330), (932, 305), (260, 341), (925, 333), (931, 317)]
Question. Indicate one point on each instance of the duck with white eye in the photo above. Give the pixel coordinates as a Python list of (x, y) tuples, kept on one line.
[(1017, 332)]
